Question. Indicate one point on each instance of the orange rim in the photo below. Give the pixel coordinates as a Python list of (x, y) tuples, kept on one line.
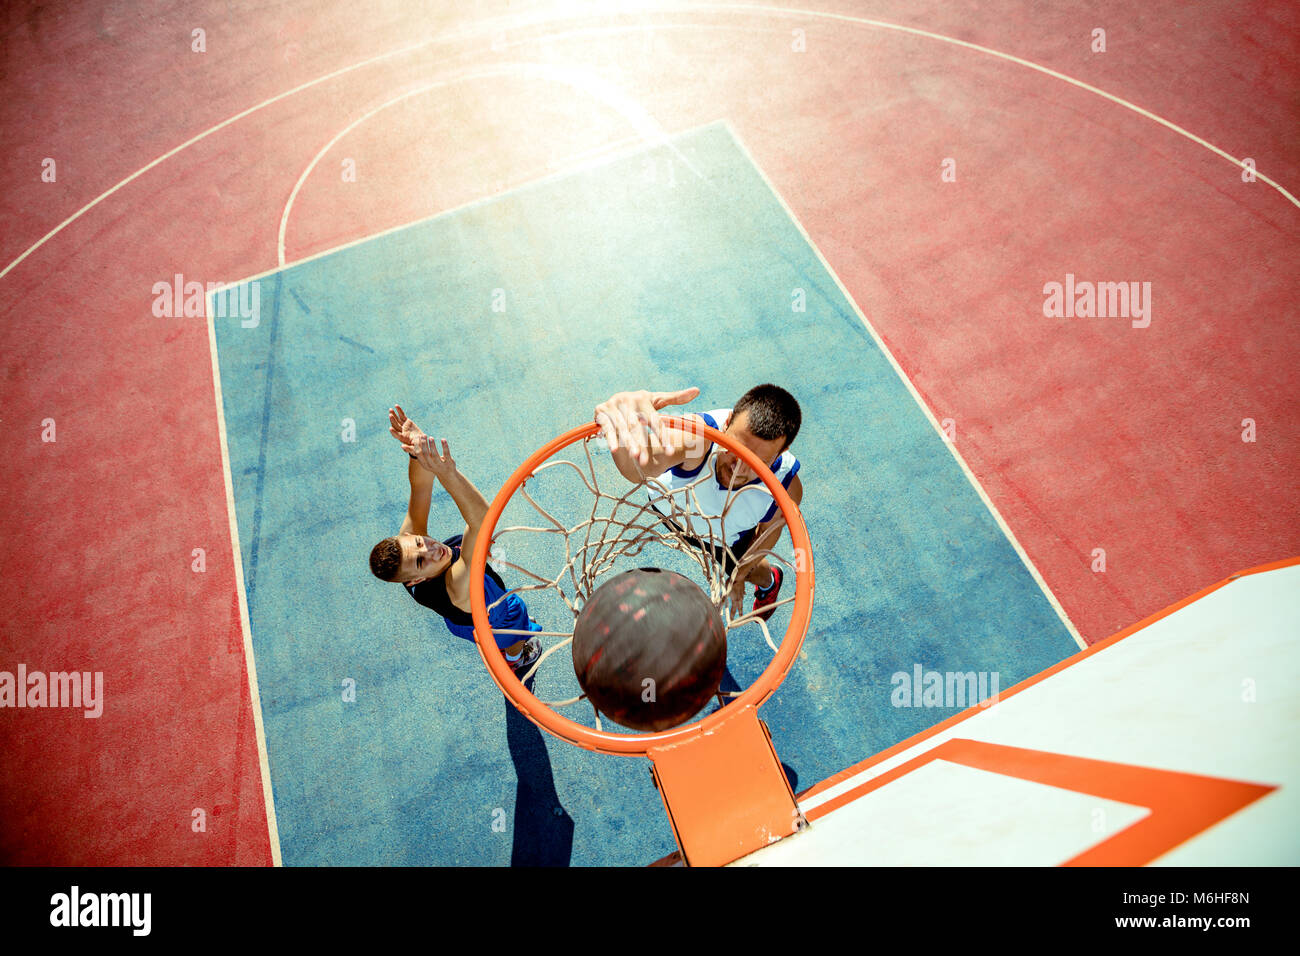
[(626, 744)]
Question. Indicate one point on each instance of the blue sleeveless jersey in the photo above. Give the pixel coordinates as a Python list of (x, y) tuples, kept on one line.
[(510, 614)]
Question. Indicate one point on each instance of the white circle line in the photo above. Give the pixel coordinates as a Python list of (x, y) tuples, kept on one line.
[(743, 8), (644, 124), (1048, 71), (197, 138)]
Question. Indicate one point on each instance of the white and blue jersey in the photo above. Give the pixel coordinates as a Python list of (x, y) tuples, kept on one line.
[(702, 508)]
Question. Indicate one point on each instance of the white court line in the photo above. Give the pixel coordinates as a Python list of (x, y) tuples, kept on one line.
[(1030, 64), (588, 159), (635, 116), (1008, 711), (191, 141), (951, 446), (647, 127), (516, 23), (487, 26), (581, 161), (264, 762), (786, 12)]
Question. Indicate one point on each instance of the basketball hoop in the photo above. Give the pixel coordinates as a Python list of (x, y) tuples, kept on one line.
[(539, 712)]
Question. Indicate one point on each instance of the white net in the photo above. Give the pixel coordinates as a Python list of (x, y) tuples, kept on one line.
[(588, 532)]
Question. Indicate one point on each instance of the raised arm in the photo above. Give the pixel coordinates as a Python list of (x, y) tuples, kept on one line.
[(766, 536), (438, 463), (435, 463), (421, 479)]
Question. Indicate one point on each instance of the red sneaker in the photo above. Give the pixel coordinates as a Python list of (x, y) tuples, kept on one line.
[(765, 596)]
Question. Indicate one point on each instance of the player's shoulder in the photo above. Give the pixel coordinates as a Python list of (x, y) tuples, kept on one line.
[(420, 592), (787, 469), (714, 419), (717, 418), (456, 579), (691, 448)]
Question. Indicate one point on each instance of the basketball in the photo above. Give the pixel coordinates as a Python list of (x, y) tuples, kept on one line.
[(649, 649)]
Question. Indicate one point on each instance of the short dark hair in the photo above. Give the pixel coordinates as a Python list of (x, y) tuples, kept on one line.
[(773, 413), (386, 559)]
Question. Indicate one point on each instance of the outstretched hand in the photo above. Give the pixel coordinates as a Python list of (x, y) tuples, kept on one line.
[(631, 420), (415, 442), (404, 430)]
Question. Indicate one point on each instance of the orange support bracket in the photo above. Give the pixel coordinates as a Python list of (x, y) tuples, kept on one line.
[(725, 792)]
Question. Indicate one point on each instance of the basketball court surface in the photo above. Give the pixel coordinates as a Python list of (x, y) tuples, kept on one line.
[(1056, 583)]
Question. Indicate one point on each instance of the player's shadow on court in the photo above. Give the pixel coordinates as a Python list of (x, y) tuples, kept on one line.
[(543, 828)]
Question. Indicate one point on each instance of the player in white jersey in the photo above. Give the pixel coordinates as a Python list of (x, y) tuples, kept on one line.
[(766, 421)]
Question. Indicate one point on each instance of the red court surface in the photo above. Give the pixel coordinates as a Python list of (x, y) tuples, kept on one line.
[(1085, 433)]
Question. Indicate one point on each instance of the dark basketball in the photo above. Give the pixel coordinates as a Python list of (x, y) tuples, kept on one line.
[(649, 649)]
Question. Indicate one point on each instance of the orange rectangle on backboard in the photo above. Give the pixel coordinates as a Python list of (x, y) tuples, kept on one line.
[(725, 792)]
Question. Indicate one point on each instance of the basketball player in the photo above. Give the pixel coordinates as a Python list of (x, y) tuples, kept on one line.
[(437, 574), (766, 421)]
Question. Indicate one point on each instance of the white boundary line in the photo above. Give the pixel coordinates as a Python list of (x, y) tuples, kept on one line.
[(273, 829), (1010, 58), (487, 26), (980, 731), (648, 129), (601, 155), (484, 27), (194, 139), (880, 343), (786, 12), (587, 159)]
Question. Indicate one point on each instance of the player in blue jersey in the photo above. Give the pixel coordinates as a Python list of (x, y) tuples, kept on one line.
[(437, 573), (766, 420)]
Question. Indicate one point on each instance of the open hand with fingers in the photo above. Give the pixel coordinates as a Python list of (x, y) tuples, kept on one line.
[(630, 421), (415, 442)]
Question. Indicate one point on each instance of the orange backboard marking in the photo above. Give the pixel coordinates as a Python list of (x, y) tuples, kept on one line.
[(1028, 682), (1182, 804), (725, 792)]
